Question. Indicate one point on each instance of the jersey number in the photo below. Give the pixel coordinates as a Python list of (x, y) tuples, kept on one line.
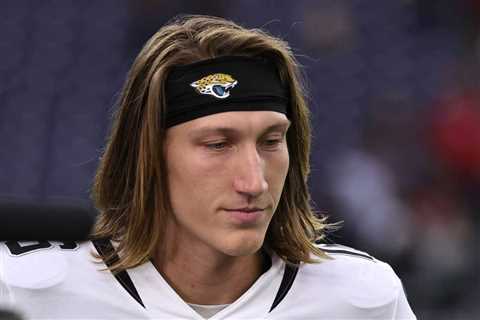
[(18, 248)]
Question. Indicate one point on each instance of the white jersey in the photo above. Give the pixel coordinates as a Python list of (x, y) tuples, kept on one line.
[(46, 280)]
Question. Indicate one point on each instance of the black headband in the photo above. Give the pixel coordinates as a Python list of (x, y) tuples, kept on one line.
[(229, 83)]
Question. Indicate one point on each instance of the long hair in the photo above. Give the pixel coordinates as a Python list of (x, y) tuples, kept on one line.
[(130, 186)]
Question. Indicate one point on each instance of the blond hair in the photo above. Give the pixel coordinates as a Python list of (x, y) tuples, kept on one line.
[(130, 187)]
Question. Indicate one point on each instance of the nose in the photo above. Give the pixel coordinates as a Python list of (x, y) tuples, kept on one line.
[(249, 178)]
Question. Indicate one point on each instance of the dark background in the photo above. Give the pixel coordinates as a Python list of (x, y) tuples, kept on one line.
[(396, 110)]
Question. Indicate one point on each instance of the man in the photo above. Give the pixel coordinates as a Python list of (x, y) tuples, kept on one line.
[(204, 207)]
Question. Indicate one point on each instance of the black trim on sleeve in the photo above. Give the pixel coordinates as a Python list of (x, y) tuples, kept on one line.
[(287, 282), (105, 248), (350, 253), (339, 249)]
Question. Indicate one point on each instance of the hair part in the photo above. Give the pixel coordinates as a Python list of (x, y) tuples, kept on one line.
[(130, 186)]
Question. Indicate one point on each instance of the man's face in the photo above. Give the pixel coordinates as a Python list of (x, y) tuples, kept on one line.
[(226, 173)]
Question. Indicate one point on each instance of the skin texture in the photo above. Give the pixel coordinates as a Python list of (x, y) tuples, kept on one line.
[(220, 167)]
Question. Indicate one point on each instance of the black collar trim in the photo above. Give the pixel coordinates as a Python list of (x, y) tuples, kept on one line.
[(288, 278), (105, 248)]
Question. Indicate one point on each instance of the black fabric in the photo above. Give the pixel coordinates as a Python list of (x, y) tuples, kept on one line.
[(105, 248), (340, 249), (35, 220), (258, 87), (288, 278), (348, 252)]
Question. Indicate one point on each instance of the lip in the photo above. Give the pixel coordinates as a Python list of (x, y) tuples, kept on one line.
[(246, 215), (246, 209)]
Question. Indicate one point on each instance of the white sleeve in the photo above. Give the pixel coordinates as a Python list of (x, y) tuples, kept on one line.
[(5, 295), (403, 311), (8, 307)]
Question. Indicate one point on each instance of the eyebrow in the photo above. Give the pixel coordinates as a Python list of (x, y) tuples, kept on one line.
[(283, 126)]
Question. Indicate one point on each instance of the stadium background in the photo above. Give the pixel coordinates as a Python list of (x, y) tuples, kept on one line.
[(396, 112)]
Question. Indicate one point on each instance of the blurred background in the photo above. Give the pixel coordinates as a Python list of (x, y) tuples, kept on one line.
[(396, 110)]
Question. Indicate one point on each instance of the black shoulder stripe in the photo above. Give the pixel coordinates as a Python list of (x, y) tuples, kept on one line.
[(287, 281), (348, 252), (105, 248)]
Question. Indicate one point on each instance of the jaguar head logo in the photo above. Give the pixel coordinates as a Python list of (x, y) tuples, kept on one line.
[(217, 85)]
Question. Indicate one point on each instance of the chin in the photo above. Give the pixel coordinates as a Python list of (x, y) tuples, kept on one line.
[(243, 246)]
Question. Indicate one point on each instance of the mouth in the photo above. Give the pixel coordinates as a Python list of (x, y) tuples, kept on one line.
[(246, 215), (246, 209)]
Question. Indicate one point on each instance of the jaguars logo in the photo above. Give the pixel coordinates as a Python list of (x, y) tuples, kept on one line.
[(217, 85)]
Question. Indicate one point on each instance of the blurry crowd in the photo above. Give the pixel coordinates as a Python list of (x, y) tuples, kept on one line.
[(395, 108), (410, 193)]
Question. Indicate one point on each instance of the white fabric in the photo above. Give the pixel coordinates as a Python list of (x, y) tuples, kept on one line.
[(60, 284), (207, 311)]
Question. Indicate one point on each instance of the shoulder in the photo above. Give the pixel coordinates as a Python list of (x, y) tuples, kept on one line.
[(356, 271), (41, 264), (355, 275), (340, 258), (56, 280), (348, 283), (338, 250)]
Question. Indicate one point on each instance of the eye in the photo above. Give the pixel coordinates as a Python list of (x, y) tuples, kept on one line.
[(218, 90), (272, 143), (217, 146)]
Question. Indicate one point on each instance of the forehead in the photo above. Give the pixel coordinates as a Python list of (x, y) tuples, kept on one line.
[(242, 121)]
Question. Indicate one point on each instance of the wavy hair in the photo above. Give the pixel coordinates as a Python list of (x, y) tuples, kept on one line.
[(130, 186)]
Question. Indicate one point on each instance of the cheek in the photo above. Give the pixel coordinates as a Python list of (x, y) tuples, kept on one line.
[(277, 173), (283, 163), (195, 173), (194, 183)]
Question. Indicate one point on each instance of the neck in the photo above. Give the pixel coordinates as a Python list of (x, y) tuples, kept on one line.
[(202, 276)]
